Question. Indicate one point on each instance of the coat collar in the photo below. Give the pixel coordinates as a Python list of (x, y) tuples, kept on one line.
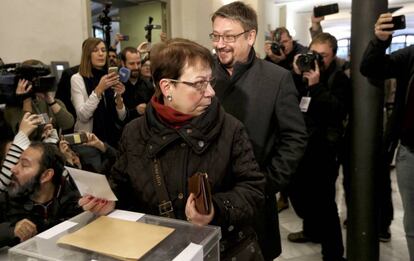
[(198, 133)]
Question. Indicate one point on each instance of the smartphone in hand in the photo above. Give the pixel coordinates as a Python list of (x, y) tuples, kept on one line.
[(113, 69), (399, 23), (76, 138)]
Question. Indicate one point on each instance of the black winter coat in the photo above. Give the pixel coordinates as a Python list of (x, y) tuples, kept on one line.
[(214, 142), (263, 97)]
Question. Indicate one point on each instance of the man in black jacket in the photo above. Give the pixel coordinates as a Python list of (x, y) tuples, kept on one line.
[(376, 64), (288, 49), (38, 196), (138, 91), (262, 95), (325, 89)]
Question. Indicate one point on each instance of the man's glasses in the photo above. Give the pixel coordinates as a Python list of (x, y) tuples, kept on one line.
[(199, 85), (227, 38)]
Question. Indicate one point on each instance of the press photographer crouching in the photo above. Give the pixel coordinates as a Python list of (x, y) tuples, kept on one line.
[(324, 88), (282, 49), (34, 93)]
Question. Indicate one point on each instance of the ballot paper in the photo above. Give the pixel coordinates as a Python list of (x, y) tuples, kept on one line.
[(93, 184), (121, 239)]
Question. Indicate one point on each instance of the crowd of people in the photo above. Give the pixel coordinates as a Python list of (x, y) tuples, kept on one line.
[(256, 126)]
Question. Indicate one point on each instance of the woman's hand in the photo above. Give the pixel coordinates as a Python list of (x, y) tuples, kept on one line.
[(23, 87), (94, 141), (29, 123), (107, 81), (95, 205), (194, 216)]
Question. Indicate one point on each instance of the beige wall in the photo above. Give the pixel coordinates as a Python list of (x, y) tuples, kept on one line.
[(48, 30)]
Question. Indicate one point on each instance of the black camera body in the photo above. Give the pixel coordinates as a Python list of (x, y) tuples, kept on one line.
[(38, 75), (306, 62), (277, 48)]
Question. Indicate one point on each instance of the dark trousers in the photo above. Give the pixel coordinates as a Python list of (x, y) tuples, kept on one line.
[(312, 194)]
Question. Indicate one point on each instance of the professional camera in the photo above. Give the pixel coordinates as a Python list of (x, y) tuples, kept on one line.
[(37, 73), (277, 48), (306, 62), (149, 27)]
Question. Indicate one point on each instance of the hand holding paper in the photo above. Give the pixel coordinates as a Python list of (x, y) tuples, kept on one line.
[(92, 184)]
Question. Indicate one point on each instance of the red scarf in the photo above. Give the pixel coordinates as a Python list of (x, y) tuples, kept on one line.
[(168, 115)]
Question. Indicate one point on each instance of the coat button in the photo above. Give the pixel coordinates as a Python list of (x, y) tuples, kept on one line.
[(189, 131), (182, 144), (150, 147), (230, 228), (180, 195), (201, 143), (164, 137)]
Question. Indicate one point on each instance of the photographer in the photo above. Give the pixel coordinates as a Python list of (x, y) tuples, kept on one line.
[(324, 89), (283, 49), (37, 101)]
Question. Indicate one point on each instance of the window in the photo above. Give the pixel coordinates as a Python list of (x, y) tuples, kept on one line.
[(400, 41)]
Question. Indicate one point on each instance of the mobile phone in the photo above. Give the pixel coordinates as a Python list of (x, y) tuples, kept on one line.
[(399, 23), (125, 38), (323, 10), (394, 9), (113, 69), (76, 138), (44, 118)]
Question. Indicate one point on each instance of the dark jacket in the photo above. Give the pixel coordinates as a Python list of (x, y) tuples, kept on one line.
[(140, 92), (329, 104), (376, 64), (214, 142), (63, 206), (288, 62), (263, 96)]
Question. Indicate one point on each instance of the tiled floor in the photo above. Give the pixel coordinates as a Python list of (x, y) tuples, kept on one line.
[(396, 250)]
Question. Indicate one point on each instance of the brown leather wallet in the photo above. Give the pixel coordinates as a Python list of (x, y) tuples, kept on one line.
[(199, 186)]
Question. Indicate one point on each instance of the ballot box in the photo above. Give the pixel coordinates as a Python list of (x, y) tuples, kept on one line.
[(186, 242)]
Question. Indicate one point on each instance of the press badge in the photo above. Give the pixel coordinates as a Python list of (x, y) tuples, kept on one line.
[(304, 103)]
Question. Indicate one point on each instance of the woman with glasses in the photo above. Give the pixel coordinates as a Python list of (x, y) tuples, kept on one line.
[(185, 131)]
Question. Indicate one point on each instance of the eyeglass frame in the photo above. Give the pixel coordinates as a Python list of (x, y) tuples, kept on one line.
[(193, 84), (235, 36)]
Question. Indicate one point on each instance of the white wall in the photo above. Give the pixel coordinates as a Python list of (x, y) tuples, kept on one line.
[(47, 30)]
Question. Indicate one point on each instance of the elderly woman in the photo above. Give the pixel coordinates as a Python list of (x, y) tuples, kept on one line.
[(184, 131), (96, 95)]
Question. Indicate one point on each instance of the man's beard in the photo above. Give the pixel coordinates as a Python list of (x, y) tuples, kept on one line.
[(15, 190), (134, 74)]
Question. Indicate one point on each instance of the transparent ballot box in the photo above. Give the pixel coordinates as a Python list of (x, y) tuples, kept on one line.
[(186, 242)]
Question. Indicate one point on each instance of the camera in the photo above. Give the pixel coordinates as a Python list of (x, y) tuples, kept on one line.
[(37, 73), (277, 48), (149, 27), (306, 62)]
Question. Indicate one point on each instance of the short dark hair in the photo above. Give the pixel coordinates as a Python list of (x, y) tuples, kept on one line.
[(111, 49), (51, 158), (169, 58), (279, 31), (238, 11), (127, 49), (324, 38)]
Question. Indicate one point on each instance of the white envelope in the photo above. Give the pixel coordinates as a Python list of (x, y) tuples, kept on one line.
[(93, 184)]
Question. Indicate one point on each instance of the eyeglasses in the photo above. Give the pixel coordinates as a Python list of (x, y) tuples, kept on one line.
[(199, 85), (227, 38)]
